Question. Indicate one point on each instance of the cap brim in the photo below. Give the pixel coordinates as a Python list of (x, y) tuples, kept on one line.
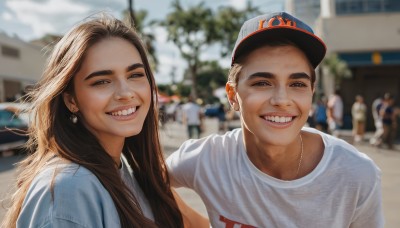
[(311, 45)]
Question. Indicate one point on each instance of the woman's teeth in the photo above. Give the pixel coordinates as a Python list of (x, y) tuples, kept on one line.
[(124, 112)]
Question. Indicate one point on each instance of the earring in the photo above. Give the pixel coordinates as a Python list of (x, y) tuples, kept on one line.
[(235, 107), (73, 118)]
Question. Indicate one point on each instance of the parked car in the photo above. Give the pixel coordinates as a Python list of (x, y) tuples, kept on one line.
[(211, 110), (13, 126)]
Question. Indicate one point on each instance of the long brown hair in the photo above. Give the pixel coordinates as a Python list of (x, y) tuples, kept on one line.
[(52, 133)]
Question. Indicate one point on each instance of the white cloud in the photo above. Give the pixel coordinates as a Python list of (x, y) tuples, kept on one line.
[(43, 17), (7, 16), (168, 57), (58, 16), (239, 4)]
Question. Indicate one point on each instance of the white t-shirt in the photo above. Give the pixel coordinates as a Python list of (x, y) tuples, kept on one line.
[(336, 103), (129, 179), (342, 191), (192, 113)]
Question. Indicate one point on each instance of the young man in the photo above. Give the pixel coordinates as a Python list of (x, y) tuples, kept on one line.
[(273, 172)]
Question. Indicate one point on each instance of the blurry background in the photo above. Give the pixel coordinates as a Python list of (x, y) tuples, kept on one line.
[(190, 43)]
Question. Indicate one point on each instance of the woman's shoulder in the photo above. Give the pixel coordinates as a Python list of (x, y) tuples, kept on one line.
[(67, 192), (63, 173), (66, 179)]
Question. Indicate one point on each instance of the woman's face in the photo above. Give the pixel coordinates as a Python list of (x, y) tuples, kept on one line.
[(273, 94), (111, 91)]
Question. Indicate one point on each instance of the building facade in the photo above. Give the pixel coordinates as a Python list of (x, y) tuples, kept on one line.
[(21, 65), (366, 35)]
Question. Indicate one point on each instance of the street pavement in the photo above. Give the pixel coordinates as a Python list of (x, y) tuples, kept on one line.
[(173, 135)]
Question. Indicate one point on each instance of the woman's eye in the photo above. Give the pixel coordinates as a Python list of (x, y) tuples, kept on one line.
[(100, 82), (263, 83), (137, 75)]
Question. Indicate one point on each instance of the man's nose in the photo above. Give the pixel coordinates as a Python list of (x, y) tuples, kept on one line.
[(280, 97)]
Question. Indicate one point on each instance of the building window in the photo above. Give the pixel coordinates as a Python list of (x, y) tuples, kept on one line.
[(11, 52), (366, 6)]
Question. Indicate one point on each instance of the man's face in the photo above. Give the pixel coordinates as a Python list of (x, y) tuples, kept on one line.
[(274, 94)]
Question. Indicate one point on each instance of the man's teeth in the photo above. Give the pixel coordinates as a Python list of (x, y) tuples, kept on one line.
[(279, 119), (124, 112)]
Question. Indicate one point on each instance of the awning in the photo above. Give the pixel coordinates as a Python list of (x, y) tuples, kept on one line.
[(371, 58)]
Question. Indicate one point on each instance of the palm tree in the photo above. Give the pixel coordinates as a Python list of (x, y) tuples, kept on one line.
[(228, 20), (335, 67), (137, 20), (194, 29)]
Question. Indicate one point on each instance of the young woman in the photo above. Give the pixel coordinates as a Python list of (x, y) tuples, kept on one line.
[(97, 160), (273, 172)]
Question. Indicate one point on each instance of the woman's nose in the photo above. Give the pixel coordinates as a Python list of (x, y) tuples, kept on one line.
[(124, 91)]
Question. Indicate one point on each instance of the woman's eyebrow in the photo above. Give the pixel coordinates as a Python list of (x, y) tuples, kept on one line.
[(110, 72), (99, 73)]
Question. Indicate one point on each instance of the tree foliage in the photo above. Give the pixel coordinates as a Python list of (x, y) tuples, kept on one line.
[(195, 29), (337, 68), (142, 27), (228, 21), (191, 30)]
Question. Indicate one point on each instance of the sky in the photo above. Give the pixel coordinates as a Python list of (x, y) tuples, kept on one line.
[(32, 19)]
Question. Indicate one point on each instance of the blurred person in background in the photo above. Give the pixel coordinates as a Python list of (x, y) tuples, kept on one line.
[(273, 171), (96, 157), (221, 118), (389, 120), (335, 113), (359, 116), (192, 118), (376, 105), (320, 115)]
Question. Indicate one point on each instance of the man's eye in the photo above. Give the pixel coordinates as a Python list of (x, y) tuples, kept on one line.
[(299, 84)]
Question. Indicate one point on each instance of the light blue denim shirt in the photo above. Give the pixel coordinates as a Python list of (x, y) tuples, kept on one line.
[(80, 200)]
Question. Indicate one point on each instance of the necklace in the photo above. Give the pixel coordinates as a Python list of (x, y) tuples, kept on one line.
[(301, 156)]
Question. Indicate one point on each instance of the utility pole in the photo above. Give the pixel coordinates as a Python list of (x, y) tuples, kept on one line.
[(131, 13)]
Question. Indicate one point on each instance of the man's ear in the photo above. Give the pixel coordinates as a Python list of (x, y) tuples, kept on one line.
[(313, 88), (70, 102), (231, 93)]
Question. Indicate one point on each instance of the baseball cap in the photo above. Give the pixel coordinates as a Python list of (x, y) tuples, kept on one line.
[(259, 30)]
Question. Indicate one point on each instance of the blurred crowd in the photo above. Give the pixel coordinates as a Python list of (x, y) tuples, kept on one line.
[(327, 116)]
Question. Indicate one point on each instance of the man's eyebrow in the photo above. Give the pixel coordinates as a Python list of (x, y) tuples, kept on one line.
[(300, 75), (260, 75), (134, 66), (99, 73), (267, 75)]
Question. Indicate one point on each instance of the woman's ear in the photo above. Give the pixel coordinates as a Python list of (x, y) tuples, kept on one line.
[(70, 102), (231, 93)]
